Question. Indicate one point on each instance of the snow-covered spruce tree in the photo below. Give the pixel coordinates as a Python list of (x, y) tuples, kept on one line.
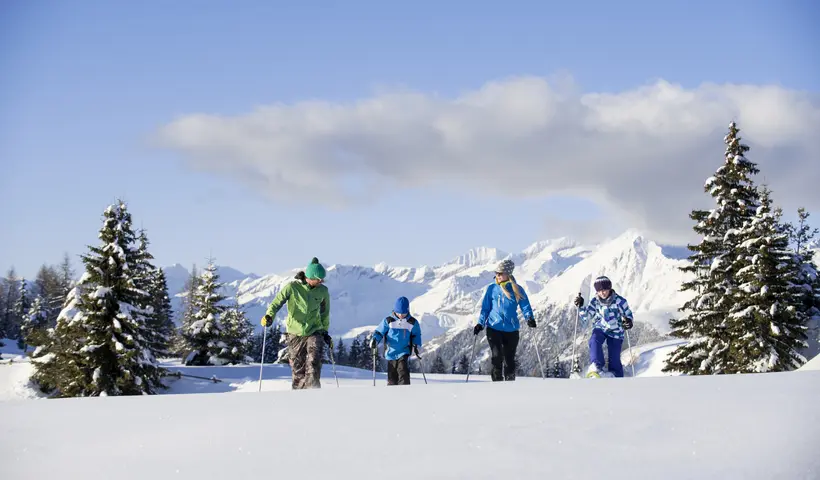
[(21, 309), (153, 291), (204, 336), (33, 331), (802, 237), (356, 353), (7, 314), (766, 319), (187, 312), (714, 267), (162, 316), (57, 360), (97, 348), (236, 335)]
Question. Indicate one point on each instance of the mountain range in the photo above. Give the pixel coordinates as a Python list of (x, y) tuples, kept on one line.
[(446, 298)]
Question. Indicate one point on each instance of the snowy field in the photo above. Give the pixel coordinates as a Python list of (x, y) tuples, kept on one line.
[(721, 427)]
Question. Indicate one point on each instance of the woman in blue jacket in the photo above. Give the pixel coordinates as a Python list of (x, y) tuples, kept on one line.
[(499, 314), (401, 334)]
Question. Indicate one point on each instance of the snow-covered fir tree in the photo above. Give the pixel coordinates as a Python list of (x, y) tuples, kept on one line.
[(204, 336), (33, 330), (803, 238), (97, 347), (713, 263), (272, 344), (236, 335), (187, 310), (21, 309), (162, 315), (766, 319), (8, 318)]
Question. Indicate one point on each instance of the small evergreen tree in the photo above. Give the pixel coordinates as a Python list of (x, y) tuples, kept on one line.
[(161, 321), (463, 364), (204, 336), (237, 335), (8, 317), (341, 352), (21, 310), (713, 263), (51, 289), (33, 330), (356, 353), (438, 365), (188, 310)]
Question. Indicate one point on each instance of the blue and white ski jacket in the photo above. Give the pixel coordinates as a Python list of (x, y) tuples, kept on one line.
[(500, 312), (399, 334), (606, 314)]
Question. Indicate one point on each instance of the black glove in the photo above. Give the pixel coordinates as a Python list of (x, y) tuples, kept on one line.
[(531, 323), (374, 344), (267, 321), (627, 323), (579, 301), (478, 328), (326, 336)]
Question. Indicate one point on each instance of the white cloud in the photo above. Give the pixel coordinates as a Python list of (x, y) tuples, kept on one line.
[(643, 153)]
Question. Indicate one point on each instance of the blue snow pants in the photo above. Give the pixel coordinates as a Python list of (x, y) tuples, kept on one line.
[(613, 345)]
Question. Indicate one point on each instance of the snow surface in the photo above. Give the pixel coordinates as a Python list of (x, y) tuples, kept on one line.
[(714, 427)]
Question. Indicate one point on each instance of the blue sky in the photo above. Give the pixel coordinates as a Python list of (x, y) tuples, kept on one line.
[(87, 86)]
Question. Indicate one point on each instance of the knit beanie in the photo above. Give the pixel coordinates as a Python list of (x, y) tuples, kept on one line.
[(402, 306), (315, 269)]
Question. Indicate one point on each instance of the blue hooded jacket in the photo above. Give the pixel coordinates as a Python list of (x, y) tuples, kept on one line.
[(399, 333), (500, 312)]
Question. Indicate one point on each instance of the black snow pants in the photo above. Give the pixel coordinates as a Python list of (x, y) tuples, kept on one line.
[(502, 350), (398, 372)]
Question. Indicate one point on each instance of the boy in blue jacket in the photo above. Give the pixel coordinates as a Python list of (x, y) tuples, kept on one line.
[(610, 316), (402, 335)]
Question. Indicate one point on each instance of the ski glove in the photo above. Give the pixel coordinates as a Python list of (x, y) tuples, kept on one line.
[(579, 301), (627, 323), (478, 328), (327, 338), (374, 344), (417, 350), (531, 323), (266, 321)]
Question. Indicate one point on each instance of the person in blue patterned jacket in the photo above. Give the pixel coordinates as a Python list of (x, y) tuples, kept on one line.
[(499, 313), (609, 314), (401, 334)]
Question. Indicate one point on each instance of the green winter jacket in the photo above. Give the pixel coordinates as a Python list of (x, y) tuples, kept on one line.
[(308, 308)]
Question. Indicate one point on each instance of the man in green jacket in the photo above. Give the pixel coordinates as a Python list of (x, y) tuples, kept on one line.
[(307, 324)]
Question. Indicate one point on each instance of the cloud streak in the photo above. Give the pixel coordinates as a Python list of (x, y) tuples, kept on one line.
[(643, 154)]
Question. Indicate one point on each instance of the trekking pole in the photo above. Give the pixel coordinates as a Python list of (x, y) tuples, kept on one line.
[(631, 358), (575, 337), (538, 355), (421, 364), (374, 366), (333, 363), (470, 365), (264, 339)]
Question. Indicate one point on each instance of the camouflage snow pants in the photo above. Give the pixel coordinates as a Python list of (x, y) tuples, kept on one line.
[(305, 356)]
